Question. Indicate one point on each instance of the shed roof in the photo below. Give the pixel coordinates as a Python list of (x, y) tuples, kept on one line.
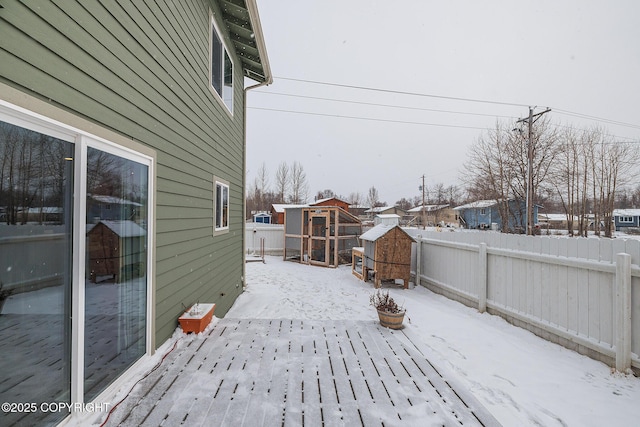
[(380, 230), (113, 200), (280, 207), (243, 22), (124, 228)]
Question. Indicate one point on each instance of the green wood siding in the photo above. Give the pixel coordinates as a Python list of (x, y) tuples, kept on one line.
[(141, 69)]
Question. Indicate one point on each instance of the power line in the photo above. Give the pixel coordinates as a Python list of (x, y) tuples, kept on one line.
[(398, 92), (367, 118), (383, 105), (594, 118), (453, 98)]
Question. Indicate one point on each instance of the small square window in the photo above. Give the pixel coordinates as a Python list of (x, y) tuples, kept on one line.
[(221, 75), (221, 206)]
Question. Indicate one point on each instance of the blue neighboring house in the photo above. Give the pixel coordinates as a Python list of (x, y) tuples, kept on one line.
[(481, 214), (626, 218)]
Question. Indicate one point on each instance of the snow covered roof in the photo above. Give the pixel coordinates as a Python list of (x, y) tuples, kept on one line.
[(477, 204), (626, 212), (378, 231), (554, 217), (125, 228), (383, 208), (46, 209), (384, 216), (113, 200), (428, 208), (280, 207), (317, 202)]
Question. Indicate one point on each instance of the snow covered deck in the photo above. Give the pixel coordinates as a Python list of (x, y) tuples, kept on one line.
[(260, 372)]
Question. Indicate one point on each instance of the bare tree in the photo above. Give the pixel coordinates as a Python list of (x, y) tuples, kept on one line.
[(283, 179), (453, 195), (372, 197), (612, 163), (299, 184), (491, 167), (404, 203), (498, 166), (325, 194), (261, 187), (566, 174), (355, 199)]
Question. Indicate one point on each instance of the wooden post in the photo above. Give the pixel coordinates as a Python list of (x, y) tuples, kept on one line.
[(418, 259), (623, 312), (482, 277)]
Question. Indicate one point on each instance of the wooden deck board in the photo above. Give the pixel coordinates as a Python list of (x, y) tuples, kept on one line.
[(296, 373)]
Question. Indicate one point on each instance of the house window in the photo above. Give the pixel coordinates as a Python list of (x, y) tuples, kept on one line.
[(221, 74), (483, 211), (76, 286), (626, 219), (221, 206)]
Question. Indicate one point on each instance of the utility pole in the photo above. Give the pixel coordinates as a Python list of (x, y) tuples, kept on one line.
[(422, 210), (529, 196)]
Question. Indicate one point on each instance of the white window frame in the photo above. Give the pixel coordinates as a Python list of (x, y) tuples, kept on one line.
[(27, 119), (625, 220), (223, 185), (226, 99)]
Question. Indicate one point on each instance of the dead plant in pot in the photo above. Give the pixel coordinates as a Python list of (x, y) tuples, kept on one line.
[(390, 313)]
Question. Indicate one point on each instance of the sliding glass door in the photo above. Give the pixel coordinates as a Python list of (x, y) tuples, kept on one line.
[(115, 279), (36, 217), (74, 265)]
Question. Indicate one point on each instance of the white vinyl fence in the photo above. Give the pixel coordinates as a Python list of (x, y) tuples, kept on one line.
[(582, 293), (31, 257), (269, 237)]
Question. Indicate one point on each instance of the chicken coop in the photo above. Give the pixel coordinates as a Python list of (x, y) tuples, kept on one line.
[(385, 254), (320, 235)]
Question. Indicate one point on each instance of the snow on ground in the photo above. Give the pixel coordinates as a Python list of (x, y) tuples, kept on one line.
[(521, 379)]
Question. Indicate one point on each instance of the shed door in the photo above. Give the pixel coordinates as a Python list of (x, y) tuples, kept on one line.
[(319, 227)]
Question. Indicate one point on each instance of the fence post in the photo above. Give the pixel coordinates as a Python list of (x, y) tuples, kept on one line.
[(418, 259), (623, 312), (482, 277)]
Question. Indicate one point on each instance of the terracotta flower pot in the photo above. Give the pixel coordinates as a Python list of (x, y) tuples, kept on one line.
[(391, 320)]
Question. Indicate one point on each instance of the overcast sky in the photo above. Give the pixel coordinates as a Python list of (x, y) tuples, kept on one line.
[(573, 56)]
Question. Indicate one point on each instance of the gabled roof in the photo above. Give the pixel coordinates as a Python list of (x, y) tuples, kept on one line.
[(243, 22), (478, 204), (112, 200), (555, 216), (385, 216), (317, 202), (428, 208), (384, 208), (626, 212), (380, 230), (280, 207), (124, 228)]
